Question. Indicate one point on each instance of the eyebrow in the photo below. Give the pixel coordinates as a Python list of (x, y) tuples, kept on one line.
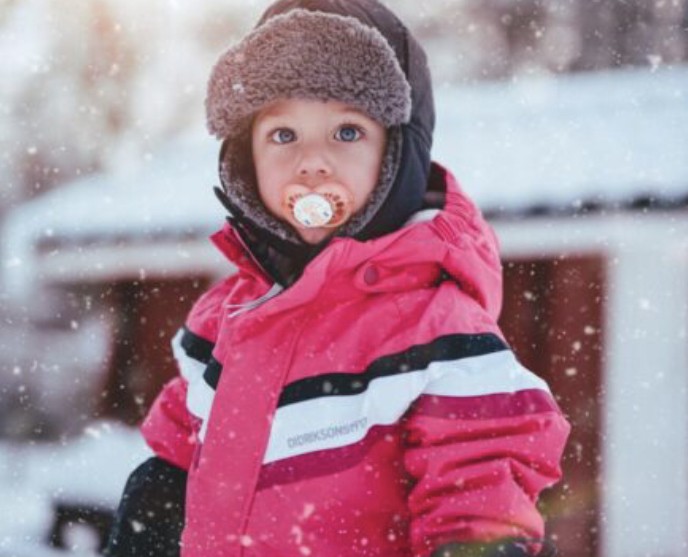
[(271, 111), (275, 111), (355, 111)]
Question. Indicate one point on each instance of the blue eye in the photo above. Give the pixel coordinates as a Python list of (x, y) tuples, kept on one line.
[(348, 134), (283, 135)]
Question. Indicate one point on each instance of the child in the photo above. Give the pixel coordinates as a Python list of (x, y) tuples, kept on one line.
[(347, 392)]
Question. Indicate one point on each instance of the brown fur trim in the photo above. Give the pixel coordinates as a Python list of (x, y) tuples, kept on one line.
[(238, 179), (308, 55)]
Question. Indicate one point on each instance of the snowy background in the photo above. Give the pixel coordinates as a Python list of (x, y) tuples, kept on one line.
[(541, 103)]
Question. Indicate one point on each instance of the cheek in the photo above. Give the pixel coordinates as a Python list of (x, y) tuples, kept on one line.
[(269, 194), (367, 174), (267, 183), (271, 164)]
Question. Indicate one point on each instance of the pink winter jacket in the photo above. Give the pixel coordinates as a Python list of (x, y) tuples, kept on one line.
[(371, 409)]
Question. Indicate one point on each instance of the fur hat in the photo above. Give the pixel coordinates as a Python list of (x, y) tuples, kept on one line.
[(310, 55)]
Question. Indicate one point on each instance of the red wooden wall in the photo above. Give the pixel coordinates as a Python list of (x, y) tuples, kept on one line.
[(149, 313), (553, 317)]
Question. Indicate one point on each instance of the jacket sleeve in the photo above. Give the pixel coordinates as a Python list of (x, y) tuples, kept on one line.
[(479, 459), (173, 425), (150, 516), (170, 429)]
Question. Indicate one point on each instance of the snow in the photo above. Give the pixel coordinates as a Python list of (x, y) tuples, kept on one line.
[(24, 43), (91, 469), (97, 85), (54, 373), (169, 193), (607, 136)]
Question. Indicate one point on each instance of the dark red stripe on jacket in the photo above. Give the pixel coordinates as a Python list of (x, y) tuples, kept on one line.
[(321, 463), (502, 405)]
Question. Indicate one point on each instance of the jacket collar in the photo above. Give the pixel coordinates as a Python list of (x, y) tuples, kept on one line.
[(452, 242)]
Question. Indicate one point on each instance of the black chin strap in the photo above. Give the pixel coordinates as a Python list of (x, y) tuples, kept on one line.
[(282, 260), (285, 260)]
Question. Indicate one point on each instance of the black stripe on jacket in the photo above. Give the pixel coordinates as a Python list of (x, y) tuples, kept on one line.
[(201, 350), (446, 348), (196, 347)]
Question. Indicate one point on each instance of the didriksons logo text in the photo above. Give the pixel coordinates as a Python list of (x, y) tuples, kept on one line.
[(325, 433)]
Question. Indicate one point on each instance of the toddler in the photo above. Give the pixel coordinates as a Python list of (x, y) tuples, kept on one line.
[(347, 392)]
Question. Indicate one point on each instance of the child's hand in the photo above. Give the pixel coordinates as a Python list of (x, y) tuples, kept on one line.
[(506, 548)]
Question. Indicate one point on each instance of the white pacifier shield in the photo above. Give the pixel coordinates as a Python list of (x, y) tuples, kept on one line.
[(313, 210)]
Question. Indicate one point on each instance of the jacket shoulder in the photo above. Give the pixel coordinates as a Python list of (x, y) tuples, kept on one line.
[(203, 319)]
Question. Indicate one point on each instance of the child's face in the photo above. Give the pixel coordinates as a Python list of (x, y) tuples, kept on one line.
[(315, 144)]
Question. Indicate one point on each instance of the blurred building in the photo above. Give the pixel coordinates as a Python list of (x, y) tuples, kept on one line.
[(592, 212), (585, 178), (471, 40)]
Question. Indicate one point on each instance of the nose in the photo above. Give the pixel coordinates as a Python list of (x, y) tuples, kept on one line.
[(313, 163)]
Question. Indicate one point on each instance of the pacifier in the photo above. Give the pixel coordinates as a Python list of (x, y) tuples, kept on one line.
[(326, 206)]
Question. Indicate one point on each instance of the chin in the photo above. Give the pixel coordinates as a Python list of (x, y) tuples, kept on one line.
[(314, 235)]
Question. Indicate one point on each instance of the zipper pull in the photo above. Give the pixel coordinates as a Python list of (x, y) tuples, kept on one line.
[(248, 306)]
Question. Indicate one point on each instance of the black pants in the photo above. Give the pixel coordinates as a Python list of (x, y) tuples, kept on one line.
[(150, 516)]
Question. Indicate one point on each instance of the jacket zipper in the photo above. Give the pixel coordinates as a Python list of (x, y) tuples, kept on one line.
[(285, 372), (248, 306)]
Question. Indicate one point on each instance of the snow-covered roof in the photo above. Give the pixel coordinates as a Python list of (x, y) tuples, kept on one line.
[(81, 228), (606, 138), (169, 192)]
